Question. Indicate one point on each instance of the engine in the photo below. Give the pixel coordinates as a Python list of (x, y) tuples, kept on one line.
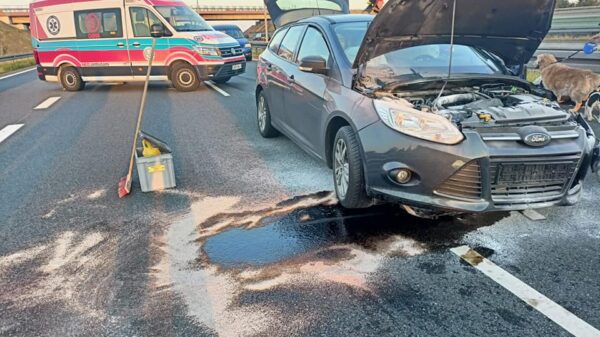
[(498, 103)]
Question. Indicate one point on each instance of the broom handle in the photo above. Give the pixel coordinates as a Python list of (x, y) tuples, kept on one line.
[(142, 108)]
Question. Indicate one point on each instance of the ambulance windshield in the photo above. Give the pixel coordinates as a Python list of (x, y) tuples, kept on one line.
[(183, 18)]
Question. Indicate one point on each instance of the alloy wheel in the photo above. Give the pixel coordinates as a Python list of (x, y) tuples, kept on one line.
[(262, 113), (341, 168)]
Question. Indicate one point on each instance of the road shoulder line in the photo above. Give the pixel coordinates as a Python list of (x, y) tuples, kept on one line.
[(559, 315), (219, 90), (8, 130), (17, 73)]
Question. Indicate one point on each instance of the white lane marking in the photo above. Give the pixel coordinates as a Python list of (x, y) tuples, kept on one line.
[(15, 74), (561, 316), (9, 130), (219, 90), (47, 103)]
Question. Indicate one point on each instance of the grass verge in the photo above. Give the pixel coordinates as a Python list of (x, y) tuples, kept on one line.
[(8, 66)]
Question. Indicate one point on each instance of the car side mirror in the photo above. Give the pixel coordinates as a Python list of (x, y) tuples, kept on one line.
[(314, 64), (157, 30)]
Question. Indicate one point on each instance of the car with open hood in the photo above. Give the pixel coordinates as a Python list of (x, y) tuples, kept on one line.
[(423, 105)]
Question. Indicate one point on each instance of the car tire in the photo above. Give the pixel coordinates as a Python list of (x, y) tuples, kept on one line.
[(348, 174), (71, 80), (263, 118), (221, 80), (184, 77)]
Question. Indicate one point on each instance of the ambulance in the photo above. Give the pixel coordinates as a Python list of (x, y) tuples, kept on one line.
[(77, 41)]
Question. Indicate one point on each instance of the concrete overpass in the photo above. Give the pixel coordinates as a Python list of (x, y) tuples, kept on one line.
[(18, 16)]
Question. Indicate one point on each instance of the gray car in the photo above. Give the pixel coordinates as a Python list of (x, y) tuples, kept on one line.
[(400, 118)]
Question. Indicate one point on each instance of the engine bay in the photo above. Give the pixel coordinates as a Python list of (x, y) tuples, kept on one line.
[(496, 103)]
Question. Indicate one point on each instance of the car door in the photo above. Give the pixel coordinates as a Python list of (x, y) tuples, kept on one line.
[(279, 74), (141, 20), (267, 71), (305, 101), (103, 48)]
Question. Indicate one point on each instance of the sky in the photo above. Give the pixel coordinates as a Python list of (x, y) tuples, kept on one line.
[(353, 3)]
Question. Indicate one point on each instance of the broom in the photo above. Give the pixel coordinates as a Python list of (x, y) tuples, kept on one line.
[(125, 182)]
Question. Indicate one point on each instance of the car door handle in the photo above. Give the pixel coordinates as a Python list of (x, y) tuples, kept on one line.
[(136, 44), (120, 44)]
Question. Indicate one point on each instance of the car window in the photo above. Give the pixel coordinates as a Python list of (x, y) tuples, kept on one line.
[(98, 24), (313, 44), (142, 21), (350, 36), (276, 41), (290, 42)]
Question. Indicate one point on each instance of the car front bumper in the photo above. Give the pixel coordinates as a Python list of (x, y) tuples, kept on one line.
[(472, 176)]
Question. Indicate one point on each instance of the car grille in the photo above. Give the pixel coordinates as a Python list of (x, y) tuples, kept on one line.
[(464, 184), (231, 51), (528, 180)]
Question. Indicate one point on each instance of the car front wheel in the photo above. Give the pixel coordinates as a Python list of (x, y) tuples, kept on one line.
[(348, 175)]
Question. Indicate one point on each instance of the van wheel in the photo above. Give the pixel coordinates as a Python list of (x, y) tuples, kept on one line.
[(221, 80), (184, 77), (71, 80), (348, 176)]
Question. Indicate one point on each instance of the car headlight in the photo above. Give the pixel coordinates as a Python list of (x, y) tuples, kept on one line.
[(423, 125), (247, 45), (209, 51)]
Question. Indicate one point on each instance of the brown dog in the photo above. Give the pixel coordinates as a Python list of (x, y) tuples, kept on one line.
[(565, 81)]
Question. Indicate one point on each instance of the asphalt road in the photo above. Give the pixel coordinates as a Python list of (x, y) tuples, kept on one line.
[(251, 242)]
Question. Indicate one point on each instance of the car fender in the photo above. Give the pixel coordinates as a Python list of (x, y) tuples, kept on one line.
[(336, 115)]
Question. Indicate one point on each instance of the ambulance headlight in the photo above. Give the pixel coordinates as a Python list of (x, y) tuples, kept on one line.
[(208, 51)]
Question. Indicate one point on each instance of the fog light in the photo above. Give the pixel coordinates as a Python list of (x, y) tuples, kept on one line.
[(402, 176)]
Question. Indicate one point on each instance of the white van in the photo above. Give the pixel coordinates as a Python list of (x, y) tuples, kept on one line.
[(82, 41)]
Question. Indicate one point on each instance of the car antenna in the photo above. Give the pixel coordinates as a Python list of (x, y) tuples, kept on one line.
[(451, 51), (318, 7)]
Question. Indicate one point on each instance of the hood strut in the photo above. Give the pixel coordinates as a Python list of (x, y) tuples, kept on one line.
[(451, 51)]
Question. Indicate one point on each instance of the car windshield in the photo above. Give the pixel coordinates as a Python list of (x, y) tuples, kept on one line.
[(428, 61), (183, 18), (234, 33), (350, 36)]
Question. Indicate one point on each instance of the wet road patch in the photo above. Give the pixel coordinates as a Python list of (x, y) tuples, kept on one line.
[(255, 239)]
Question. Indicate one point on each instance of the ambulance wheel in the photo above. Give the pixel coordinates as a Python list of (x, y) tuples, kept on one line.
[(221, 80), (184, 77), (71, 80)]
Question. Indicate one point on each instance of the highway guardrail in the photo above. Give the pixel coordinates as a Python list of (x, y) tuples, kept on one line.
[(15, 57)]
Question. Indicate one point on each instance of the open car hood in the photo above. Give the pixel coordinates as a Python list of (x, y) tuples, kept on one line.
[(511, 29), (283, 12)]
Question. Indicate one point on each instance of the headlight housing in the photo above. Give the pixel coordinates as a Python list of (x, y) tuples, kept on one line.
[(412, 122), (247, 45), (208, 51)]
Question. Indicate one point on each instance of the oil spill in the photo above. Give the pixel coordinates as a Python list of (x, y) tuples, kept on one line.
[(315, 230)]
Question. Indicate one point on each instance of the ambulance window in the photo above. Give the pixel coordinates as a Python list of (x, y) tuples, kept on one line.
[(142, 20), (98, 24)]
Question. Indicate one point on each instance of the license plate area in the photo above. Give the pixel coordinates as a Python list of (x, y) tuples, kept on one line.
[(236, 67), (533, 173)]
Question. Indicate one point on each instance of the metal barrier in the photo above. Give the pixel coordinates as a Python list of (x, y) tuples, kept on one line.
[(576, 21), (15, 57)]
